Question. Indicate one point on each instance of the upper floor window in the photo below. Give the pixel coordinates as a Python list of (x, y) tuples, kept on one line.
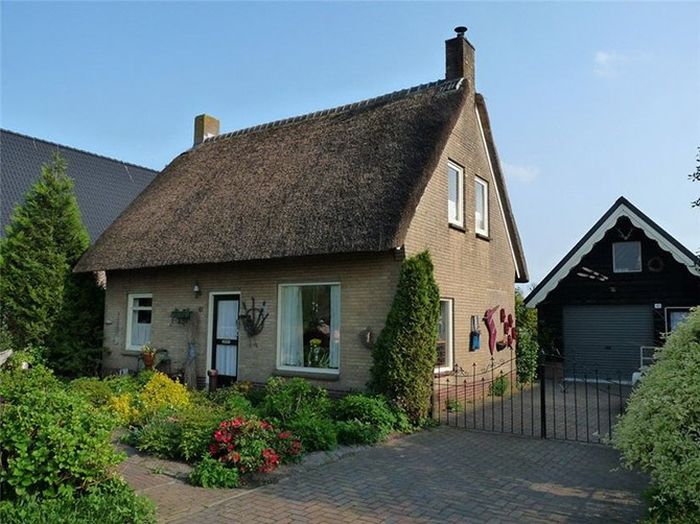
[(455, 191), (138, 320), (309, 327), (481, 206), (444, 344), (627, 257)]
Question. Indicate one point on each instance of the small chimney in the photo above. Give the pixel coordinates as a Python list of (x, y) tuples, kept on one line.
[(205, 126), (459, 57)]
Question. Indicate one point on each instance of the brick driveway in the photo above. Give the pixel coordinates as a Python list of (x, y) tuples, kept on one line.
[(444, 475)]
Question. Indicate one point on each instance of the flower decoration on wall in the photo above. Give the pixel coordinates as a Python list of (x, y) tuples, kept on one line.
[(253, 318)]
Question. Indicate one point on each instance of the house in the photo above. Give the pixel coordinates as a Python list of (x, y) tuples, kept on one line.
[(299, 227), (624, 285), (103, 186)]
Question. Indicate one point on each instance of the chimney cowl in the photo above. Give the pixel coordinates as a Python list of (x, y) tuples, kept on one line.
[(459, 57)]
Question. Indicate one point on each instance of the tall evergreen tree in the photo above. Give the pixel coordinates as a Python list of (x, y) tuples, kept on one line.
[(406, 350), (41, 301)]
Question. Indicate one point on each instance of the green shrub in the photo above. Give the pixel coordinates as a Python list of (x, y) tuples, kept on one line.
[(119, 384), (92, 389), (660, 430), (316, 432), (527, 349), (52, 442), (498, 387), (210, 473), (353, 432), (363, 419), (181, 434), (285, 399), (453, 405), (405, 353), (112, 502), (234, 401)]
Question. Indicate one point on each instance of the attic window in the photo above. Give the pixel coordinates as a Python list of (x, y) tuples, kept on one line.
[(455, 194), (627, 257), (481, 206)]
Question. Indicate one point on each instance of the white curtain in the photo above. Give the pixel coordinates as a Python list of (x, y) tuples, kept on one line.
[(140, 333), (291, 326), (335, 328)]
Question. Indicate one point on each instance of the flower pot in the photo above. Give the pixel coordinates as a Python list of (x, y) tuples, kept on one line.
[(148, 359)]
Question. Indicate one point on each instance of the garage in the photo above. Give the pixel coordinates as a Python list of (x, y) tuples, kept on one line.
[(606, 338)]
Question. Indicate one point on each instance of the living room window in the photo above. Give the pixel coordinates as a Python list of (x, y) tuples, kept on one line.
[(444, 344), (309, 327), (481, 206), (627, 257), (139, 318), (455, 191)]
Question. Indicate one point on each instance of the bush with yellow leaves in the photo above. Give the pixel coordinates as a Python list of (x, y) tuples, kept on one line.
[(160, 393)]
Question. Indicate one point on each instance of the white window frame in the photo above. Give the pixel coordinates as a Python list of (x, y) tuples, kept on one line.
[(482, 231), (129, 313), (302, 369), (615, 268), (449, 349), (459, 221)]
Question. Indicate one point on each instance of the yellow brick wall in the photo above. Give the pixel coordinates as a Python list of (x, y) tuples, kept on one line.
[(367, 286), (476, 273)]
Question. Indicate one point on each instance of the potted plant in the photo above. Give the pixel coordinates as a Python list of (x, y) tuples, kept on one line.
[(148, 353)]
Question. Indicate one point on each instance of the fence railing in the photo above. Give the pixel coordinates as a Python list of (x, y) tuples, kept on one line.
[(558, 404)]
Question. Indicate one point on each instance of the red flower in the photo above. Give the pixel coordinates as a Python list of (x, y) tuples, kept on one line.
[(213, 448), (264, 424), (237, 422), (285, 435)]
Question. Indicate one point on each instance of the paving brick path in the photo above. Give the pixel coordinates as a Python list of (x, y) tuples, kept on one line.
[(443, 475)]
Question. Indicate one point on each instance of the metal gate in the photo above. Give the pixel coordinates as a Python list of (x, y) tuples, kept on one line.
[(578, 406)]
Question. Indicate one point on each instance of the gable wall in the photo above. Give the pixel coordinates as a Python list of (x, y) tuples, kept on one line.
[(673, 286), (476, 273)]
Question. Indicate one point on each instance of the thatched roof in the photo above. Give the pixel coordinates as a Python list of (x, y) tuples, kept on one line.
[(337, 181)]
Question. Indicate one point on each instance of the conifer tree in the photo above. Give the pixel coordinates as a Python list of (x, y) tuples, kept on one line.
[(406, 350), (42, 303)]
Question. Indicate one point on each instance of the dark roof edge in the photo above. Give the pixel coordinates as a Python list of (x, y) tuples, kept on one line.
[(444, 85), (78, 150), (505, 199), (619, 202)]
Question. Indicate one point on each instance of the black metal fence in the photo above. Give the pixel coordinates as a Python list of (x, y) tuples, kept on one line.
[(581, 406)]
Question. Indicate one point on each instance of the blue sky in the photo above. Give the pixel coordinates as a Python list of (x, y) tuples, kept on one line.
[(588, 101)]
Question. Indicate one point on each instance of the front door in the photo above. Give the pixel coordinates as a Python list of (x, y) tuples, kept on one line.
[(224, 343)]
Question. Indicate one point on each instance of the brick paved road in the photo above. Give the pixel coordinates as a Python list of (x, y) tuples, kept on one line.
[(444, 475)]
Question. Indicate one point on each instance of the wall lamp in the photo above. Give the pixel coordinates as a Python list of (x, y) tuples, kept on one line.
[(196, 290)]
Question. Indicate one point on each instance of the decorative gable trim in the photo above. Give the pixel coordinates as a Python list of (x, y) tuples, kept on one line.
[(622, 207)]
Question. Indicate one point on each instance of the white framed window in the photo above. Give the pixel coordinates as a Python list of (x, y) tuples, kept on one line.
[(627, 257), (308, 327), (455, 194), (445, 357), (481, 206), (138, 320)]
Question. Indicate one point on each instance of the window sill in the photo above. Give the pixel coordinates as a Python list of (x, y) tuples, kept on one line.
[(483, 237), (315, 375), (457, 227), (131, 352), (442, 372)]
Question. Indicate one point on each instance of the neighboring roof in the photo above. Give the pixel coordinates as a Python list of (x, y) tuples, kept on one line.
[(516, 247), (621, 207), (103, 186)]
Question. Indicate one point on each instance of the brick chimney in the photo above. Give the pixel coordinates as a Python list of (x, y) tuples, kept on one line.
[(459, 55), (205, 126)]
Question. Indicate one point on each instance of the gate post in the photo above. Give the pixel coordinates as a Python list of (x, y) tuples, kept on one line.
[(543, 405)]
